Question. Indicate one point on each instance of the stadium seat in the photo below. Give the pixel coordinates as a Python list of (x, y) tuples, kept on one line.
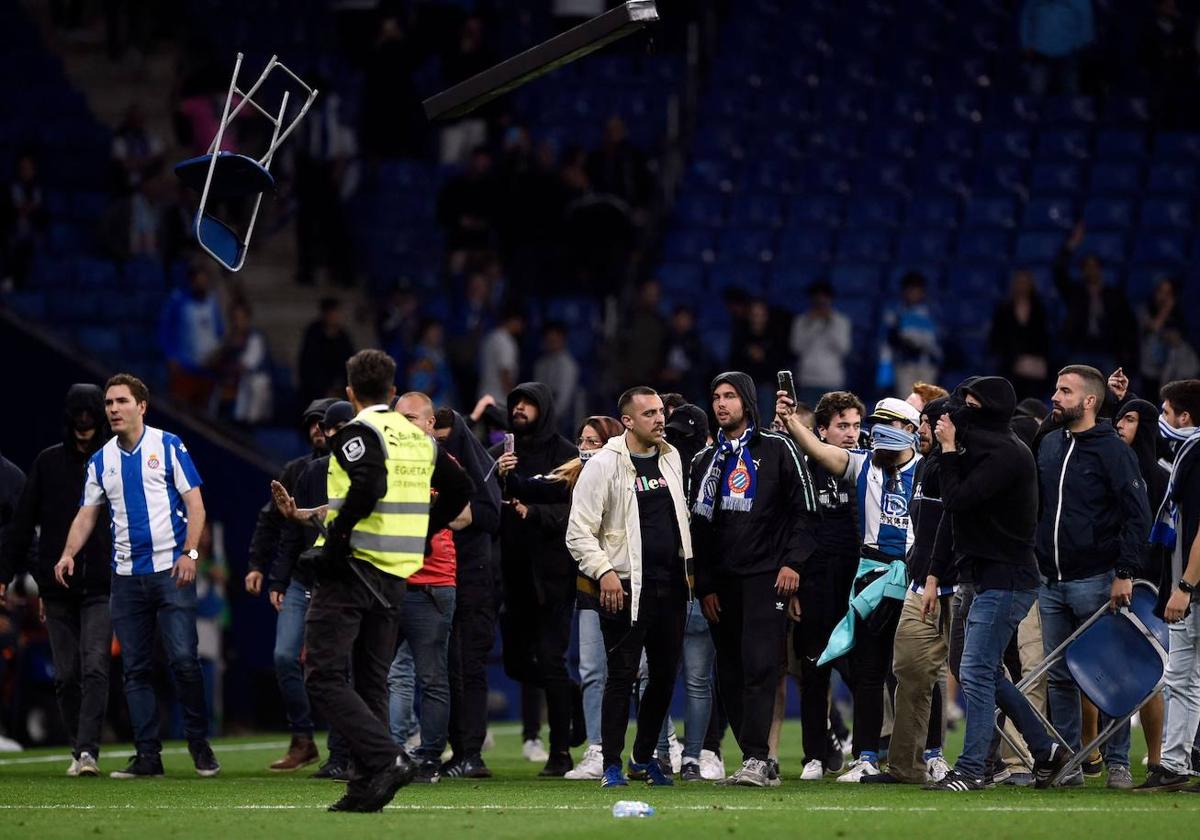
[(756, 210), (1176, 178), (1108, 213), (1037, 246), (690, 245), (745, 245), (998, 145), (749, 277), (808, 244), (874, 211), (975, 280), (983, 244), (855, 280), (1160, 247), (932, 211), (1056, 178), (824, 210), (681, 280), (1110, 178), (1177, 146), (1049, 214), (991, 212), (1120, 144), (1167, 213), (1109, 247), (702, 209), (920, 246)]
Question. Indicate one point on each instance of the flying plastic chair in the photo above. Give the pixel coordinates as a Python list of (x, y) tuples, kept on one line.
[(222, 174)]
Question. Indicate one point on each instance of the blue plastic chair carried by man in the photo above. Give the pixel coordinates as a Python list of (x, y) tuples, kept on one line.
[(223, 174)]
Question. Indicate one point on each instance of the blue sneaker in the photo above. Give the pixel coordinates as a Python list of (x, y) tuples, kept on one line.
[(613, 778), (652, 772)]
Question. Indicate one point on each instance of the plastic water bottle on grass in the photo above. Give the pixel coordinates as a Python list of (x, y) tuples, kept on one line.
[(627, 808)]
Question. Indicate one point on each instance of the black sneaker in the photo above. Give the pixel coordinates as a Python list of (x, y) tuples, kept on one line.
[(1163, 779), (140, 767), (773, 777), (690, 772), (880, 779), (366, 796), (1092, 769), (557, 766), (429, 773), (333, 770), (835, 759), (956, 782), (204, 760), (471, 767), (1044, 771)]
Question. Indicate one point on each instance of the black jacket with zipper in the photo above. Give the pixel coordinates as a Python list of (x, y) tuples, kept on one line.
[(1095, 513), (779, 529)]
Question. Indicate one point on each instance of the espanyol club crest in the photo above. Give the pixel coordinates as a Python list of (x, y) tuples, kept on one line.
[(152, 461), (739, 480)]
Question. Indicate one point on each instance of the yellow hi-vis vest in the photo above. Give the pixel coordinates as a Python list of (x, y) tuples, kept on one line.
[(392, 536)]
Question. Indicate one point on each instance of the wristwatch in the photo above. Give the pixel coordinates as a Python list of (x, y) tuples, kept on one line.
[(1124, 574), (194, 554), (1184, 586)]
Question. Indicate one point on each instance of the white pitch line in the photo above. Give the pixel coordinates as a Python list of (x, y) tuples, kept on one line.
[(798, 806), (40, 759)]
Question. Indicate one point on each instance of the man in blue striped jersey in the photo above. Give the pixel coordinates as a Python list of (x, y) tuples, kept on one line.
[(147, 479)]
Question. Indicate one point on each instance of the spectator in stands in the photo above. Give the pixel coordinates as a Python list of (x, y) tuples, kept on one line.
[(323, 353), (137, 152), (22, 223), (397, 322), (923, 393), (1053, 34), (500, 356), (325, 149), (469, 205), (758, 354), (471, 55), (618, 167), (429, 372), (558, 369), (642, 338), (911, 335), (393, 123), (1019, 339), (190, 330), (1161, 327), (471, 319), (1099, 329), (820, 341), (687, 364), (243, 367)]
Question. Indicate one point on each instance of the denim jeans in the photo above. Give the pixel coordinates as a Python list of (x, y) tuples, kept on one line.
[(1064, 606), (425, 622), (593, 671), (138, 604), (994, 617), (1183, 701), (698, 655), (289, 641)]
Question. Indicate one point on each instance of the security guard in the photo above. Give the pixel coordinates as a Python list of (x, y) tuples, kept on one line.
[(378, 524)]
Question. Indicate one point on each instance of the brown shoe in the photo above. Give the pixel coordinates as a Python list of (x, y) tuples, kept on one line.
[(301, 752)]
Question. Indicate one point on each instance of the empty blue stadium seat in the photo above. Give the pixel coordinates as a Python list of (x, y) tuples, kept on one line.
[(975, 280), (804, 210), (756, 210), (96, 274), (1057, 178), (874, 211), (1064, 144), (791, 281), (923, 246), (1110, 178), (1049, 213), (1037, 246), (701, 208), (1177, 145), (1176, 177), (749, 277), (1108, 213), (1120, 144), (1127, 110), (859, 245), (716, 174), (681, 279), (991, 212), (999, 177), (948, 142), (855, 282), (1069, 110), (1004, 144), (1160, 247), (829, 176), (1141, 280), (1167, 213), (1110, 247), (984, 244), (689, 245), (932, 211), (947, 175), (745, 245)]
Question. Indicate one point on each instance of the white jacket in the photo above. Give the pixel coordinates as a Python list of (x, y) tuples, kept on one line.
[(604, 530)]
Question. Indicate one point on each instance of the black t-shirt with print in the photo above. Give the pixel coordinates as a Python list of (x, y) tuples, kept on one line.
[(656, 510)]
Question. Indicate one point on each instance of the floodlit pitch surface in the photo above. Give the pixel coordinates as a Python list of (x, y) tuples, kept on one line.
[(38, 801)]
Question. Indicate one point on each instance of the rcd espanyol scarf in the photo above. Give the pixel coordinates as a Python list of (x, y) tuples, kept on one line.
[(732, 474)]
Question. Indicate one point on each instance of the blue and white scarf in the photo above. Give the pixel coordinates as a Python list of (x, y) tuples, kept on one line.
[(1182, 441), (892, 439), (731, 473)]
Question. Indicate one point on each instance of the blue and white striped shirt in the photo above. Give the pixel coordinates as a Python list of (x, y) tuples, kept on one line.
[(883, 502), (144, 492)]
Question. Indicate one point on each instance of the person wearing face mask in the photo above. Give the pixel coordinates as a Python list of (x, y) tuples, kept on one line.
[(628, 531), (883, 479), (754, 517), (1091, 538), (989, 490), (557, 488), (1177, 530), (77, 616)]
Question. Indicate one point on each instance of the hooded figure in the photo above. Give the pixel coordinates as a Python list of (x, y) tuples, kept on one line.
[(538, 572), (1146, 443), (687, 431), (50, 500)]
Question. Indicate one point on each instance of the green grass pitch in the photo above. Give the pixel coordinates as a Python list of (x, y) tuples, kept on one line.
[(246, 801)]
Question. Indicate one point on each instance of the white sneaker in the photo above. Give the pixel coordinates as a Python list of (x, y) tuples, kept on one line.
[(73, 768), (847, 745), (676, 751), (712, 766), (9, 745), (858, 769), (88, 765), (590, 767), (936, 769), (488, 742), (534, 751), (814, 770), (412, 743)]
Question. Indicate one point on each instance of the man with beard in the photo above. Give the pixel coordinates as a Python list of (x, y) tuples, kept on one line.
[(1094, 525), (265, 552), (753, 527), (989, 488), (77, 617), (883, 479), (474, 628), (539, 577), (825, 586)]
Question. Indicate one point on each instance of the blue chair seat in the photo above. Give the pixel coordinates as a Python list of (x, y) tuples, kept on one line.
[(221, 239), (1114, 665), (234, 175), (1142, 605)]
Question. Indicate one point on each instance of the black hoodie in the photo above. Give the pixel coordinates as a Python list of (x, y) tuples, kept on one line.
[(1145, 449), (929, 553), (538, 540), (779, 530), (50, 501), (473, 544), (989, 487)]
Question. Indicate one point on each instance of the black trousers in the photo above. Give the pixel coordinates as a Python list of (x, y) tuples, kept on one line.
[(824, 595), (80, 633), (471, 639), (662, 615), (751, 643), (536, 638), (870, 664), (347, 627)]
